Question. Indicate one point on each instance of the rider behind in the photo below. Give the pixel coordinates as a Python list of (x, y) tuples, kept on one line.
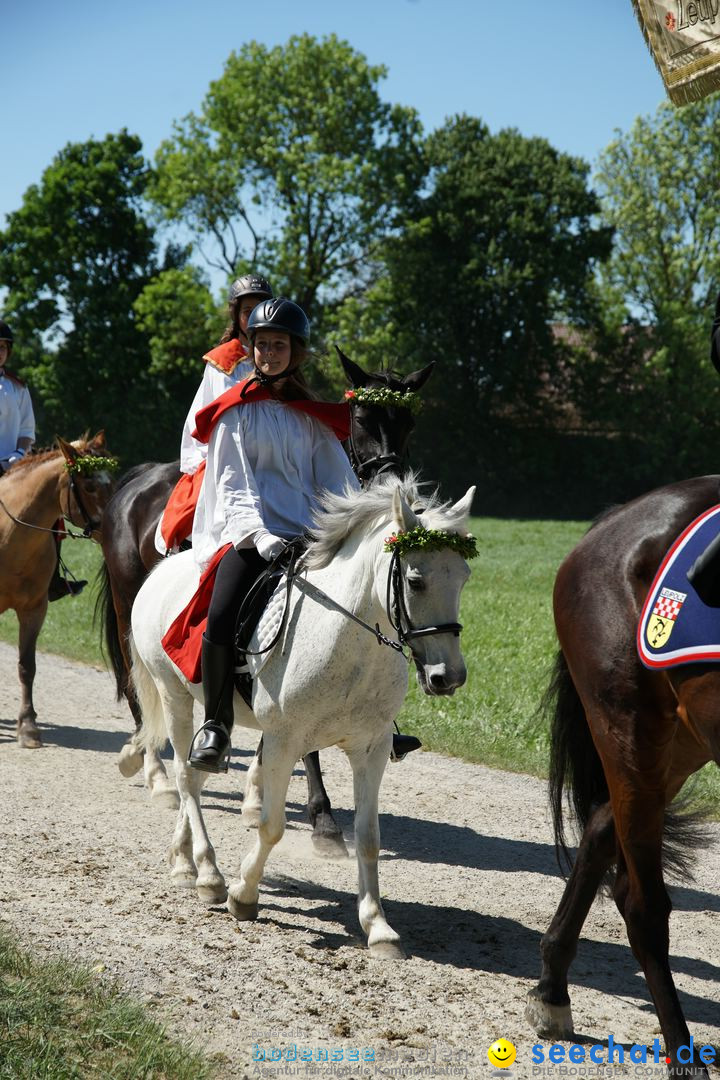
[(17, 435), (272, 448), (225, 365)]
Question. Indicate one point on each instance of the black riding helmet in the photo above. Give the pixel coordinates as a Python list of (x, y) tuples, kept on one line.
[(6, 333), (250, 285), (279, 314)]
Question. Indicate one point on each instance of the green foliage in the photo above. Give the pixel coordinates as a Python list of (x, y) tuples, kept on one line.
[(58, 1021), (651, 358), (423, 539), (296, 135), (74, 257), (177, 313)]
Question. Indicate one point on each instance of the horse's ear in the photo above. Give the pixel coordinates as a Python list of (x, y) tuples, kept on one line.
[(69, 452), (461, 510), (403, 516), (356, 375), (417, 379), (98, 440)]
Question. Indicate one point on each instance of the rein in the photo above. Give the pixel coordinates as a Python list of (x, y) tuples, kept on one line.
[(395, 606)]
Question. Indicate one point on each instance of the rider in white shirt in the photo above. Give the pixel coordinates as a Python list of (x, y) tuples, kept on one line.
[(269, 455)]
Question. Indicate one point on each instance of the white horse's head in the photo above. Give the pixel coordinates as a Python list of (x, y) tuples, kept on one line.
[(428, 586), (425, 582)]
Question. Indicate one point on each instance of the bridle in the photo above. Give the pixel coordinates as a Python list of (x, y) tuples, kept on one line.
[(370, 467), (398, 616), (395, 606), (89, 523)]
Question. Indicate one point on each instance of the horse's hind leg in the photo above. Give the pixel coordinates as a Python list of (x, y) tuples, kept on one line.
[(28, 734), (327, 835), (548, 1007)]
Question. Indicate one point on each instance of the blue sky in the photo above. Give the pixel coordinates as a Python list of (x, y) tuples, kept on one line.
[(573, 71)]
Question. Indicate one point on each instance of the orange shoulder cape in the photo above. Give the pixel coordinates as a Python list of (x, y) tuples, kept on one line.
[(226, 357)]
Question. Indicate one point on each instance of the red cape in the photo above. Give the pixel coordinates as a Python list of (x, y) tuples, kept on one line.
[(183, 638), (336, 417)]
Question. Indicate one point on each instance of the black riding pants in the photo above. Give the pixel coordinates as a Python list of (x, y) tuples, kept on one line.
[(235, 574)]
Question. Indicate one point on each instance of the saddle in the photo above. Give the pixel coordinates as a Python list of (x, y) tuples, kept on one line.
[(275, 579)]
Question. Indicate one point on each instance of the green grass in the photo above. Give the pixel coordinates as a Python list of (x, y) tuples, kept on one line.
[(68, 628), (508, 641), (59, 1022)]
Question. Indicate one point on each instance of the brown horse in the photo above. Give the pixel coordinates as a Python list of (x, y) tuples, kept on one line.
[(624, 741), (34, 494)]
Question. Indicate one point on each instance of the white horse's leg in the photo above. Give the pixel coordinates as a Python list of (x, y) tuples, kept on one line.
[(163, 792), (368, 769), (253, 796), (191, 848), (278, 764), (130, 758)]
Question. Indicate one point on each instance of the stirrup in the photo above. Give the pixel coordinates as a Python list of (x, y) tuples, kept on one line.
[(219, 756), (403, 745)]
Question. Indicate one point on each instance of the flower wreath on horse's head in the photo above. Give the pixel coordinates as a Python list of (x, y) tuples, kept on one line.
[(385, 398), (424, 539), (90, 463)]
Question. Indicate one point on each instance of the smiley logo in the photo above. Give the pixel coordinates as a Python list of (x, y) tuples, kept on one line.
[(501, 1054)]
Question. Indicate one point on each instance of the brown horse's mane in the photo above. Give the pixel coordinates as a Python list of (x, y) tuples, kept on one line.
[(46, 455)]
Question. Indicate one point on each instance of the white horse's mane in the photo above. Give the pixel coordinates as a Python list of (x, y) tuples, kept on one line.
[(339, 515)]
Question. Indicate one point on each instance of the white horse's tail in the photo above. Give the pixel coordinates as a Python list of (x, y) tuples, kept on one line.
[(153, 734)]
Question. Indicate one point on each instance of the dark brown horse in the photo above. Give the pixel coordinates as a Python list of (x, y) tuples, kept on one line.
[(378, 443), (34, 494), (624, 741)]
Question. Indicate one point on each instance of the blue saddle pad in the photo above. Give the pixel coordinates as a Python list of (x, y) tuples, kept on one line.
[(675, 626)]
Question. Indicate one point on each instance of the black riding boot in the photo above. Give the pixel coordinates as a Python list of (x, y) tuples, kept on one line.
[(403, 745), (210, 749), (61, 586)]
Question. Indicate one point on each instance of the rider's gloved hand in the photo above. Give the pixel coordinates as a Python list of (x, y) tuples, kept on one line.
[(17, 455), (268, 545)]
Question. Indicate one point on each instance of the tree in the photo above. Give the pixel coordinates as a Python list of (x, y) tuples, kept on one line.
[(75, 258), (294, 166), (664, 275), (501, 248)]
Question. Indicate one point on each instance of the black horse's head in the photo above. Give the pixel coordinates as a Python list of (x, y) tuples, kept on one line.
[(380, 433)]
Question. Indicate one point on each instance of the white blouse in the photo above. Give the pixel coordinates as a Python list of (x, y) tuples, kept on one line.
[(16, 415), (266, 465), (214, 383)]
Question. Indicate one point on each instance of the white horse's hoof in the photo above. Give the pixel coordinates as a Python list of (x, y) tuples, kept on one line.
[(212, 894), (130, 760), (242, 912), (550, 1021), (387, 950), (165, 798)]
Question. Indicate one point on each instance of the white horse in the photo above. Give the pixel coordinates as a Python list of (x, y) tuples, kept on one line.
[(327, 683)]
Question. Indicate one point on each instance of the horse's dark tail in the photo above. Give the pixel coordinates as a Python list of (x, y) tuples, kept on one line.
[(110, 638), (575, 766)]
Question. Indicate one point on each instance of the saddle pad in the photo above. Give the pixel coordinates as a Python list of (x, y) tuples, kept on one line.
[(675, 626), (267, 628)]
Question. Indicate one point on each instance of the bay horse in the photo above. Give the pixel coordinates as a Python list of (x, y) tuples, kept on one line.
[(34, 494), (624, 740), (326, 683), (378, 443)]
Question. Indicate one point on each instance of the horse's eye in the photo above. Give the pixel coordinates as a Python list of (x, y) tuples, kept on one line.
[(90, 487), (416, 584)]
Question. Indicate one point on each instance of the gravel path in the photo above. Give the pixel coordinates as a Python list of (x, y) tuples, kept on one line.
[(467, 873)]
